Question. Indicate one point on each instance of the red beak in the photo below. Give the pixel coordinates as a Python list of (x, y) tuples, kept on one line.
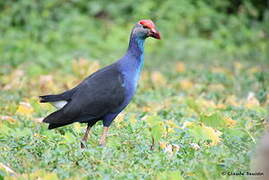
[(154, 33)]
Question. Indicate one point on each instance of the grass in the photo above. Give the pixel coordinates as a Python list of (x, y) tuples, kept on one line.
[(206, 118)]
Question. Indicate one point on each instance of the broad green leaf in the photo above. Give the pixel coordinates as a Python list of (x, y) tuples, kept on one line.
[(193, 105), (157, 131), (203, 133), (155, 126), (215, 120)]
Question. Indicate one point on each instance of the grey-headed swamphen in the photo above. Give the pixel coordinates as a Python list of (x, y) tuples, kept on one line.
[(105, 93)]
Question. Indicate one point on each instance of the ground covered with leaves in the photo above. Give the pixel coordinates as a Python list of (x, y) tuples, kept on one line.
[(205, 119)]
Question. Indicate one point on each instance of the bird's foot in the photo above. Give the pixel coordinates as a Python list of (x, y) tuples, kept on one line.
[(83, 144)]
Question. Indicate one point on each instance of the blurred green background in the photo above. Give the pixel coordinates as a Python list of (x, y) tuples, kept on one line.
[(48, 34), (205, 81)]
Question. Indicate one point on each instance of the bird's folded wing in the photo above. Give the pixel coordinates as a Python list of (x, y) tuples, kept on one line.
[(96, 96)]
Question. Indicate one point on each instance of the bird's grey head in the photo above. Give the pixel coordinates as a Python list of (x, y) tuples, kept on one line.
[(146, 28)]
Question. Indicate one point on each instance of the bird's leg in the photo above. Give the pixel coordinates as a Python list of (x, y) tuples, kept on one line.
[(102, 141), (85, 137)]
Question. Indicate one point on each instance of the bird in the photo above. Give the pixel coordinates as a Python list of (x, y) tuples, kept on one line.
[(105, 93)]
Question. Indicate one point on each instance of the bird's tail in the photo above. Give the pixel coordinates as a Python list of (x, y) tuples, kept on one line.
[(55, 120), (50, 98)]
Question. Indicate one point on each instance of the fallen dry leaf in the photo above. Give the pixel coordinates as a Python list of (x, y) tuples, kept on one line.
[(238, 65), (254, 69), (14, 80), (221, 106), (180, 67), (218, 70), (229, 121), (186, 84), (25, 109), (46, 83), (119, 119), (158, 79), (162, 145), (216, 87), (231, 100), (8, 118), (213, 134)]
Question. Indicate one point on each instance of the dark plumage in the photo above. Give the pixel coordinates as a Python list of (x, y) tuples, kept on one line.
[(105, 93), (95, 97)]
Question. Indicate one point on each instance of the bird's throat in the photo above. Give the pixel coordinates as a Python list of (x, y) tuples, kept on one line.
[(136, 46)]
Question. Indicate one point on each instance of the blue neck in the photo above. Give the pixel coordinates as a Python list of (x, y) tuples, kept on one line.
[(132, 62), (134, 57), (136, 46)]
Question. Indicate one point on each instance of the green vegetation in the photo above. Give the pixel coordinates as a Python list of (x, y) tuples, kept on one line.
[(203, 95)]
